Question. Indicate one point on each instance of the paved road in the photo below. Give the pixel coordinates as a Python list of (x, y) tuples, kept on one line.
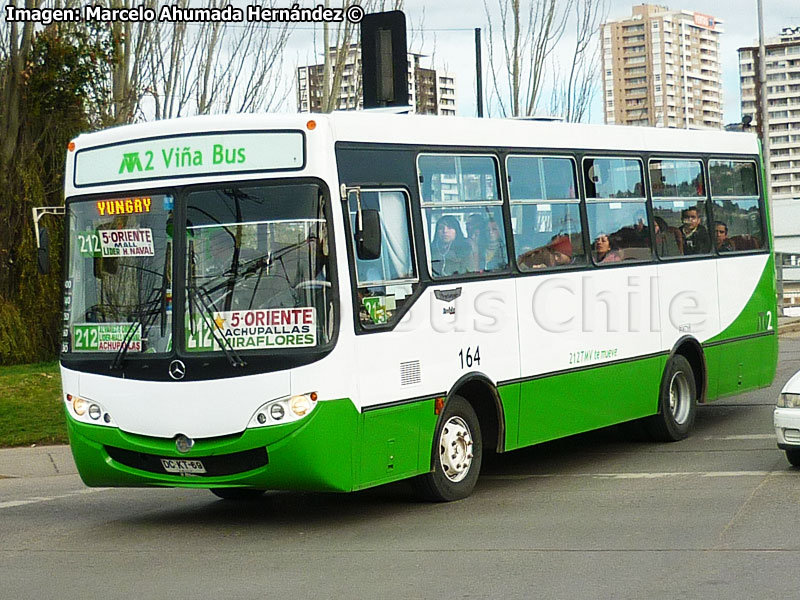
[(604, 515)]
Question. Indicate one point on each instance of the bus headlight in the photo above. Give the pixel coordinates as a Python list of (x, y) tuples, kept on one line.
[(88, 411), (300, 405), (284, 410), (79, 406), (789, 401)]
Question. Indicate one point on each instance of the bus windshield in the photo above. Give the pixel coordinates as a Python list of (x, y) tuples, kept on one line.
[(256, 268), (119, 276), (257, 272)]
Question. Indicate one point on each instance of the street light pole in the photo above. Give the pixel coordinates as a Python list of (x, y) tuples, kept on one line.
[(764, 116), (764, 120)]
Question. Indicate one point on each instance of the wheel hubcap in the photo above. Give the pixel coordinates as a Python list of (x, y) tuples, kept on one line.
[(679, 398), (455, 449)]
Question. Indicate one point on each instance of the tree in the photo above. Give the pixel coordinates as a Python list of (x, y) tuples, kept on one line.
[(132, 44), (572, 94), (524, 67), (52, 79), (215, 67), (528, 38)]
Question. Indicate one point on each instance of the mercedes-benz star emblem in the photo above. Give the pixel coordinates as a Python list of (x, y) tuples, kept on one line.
[(177, 369), (183, 443)]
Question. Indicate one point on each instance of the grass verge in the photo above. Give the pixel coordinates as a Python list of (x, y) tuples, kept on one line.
[(31, 408)]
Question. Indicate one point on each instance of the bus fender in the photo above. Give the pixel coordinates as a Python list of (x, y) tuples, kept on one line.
[(689, 347), (481, 392)]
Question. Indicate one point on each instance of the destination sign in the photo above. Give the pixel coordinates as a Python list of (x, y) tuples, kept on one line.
[(189, 155)]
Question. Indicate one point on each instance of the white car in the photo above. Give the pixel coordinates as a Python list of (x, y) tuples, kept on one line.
[(786, 419)]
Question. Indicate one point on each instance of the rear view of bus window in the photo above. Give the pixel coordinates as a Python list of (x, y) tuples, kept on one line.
[(738, 221)]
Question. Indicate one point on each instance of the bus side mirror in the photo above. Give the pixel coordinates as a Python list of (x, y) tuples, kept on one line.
[(368, 236), (43, 251)]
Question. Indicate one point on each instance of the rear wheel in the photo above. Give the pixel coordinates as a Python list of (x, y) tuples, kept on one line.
[(237, 494), (457, 454), (677, 402), (793, 456)]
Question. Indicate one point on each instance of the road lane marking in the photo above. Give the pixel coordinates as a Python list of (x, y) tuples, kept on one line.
[(663, 475), (750, 436), (37, 499)]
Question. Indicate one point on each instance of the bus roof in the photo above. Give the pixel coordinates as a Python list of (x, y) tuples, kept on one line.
[(518, 133), (363, 126)]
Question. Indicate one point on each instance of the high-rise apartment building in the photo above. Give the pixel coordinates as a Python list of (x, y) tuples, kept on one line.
[(783, 104), (661, 68), (429, 92)]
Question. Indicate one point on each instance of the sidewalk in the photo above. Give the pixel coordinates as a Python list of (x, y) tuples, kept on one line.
[(40, 461), (788, 324)]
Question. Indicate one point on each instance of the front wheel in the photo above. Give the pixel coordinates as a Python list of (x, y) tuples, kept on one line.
[(793, 456), (677, 402), (457, 454)]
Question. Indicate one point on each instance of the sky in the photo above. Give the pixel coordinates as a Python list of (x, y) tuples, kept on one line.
[(445, 32)]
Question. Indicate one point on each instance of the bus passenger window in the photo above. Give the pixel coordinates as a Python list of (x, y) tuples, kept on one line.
[(679, 207), (735, 206), (463, 214), (613, 178), (545, 212), (383, 284), (616, 209)]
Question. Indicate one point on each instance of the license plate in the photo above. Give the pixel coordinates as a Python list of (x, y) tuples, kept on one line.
[(173, 465)]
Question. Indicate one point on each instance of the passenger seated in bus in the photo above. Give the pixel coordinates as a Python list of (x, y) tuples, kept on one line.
[(494, 252), (477, 236), (721, 240), (668, 239), (556, 253), (451, 252), (605, 249), (744, 241), (695, 236), (637, 235)]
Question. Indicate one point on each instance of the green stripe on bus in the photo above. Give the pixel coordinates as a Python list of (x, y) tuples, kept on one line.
[(753, 318)]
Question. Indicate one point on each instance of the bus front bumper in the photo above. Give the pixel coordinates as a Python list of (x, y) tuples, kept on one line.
[(315, 453)]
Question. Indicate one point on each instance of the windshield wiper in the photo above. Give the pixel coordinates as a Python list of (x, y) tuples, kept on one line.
[(164, 284), (196, 295), (152, 299)]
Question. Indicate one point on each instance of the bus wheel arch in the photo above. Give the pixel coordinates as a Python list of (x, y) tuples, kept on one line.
[(691, 350), (456, 454), (678, 394), (482, 394)]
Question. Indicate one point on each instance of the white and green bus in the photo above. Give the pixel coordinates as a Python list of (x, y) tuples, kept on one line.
[(275, 302)]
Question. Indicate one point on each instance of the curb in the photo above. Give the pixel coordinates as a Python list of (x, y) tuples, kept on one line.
[(39, 461), (790, 327)]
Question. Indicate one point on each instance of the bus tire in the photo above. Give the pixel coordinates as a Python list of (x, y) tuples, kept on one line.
[(237, 494), (677, 402), (793, 456), (456, 456)]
